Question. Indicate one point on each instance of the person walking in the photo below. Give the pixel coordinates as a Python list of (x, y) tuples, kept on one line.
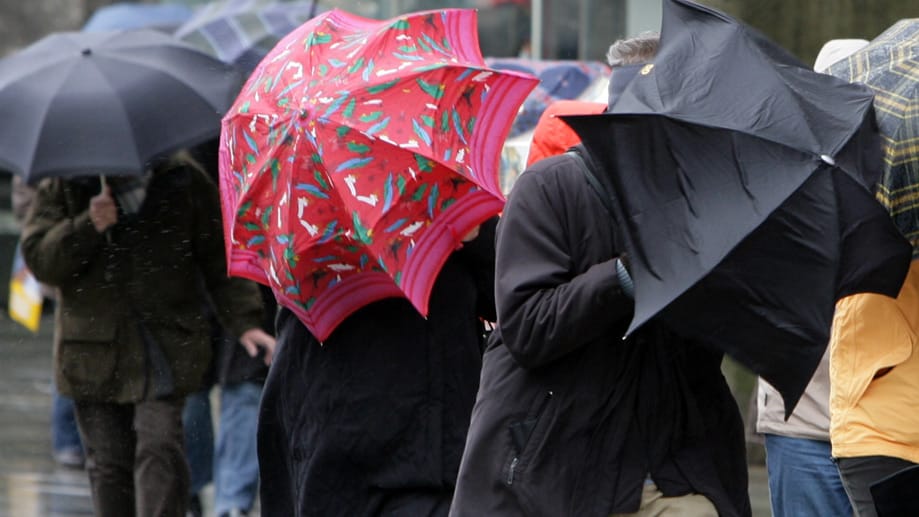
[(371, 422), (874, 346), (231, 460), (571, 419), (131, 342)]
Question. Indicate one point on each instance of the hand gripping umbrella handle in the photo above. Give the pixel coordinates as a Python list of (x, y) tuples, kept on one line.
[(102, 184)]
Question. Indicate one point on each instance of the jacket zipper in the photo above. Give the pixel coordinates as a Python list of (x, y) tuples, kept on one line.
[(510, 471), (512, 468)]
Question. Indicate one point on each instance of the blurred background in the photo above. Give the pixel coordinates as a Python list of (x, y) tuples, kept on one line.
[(552, 29)]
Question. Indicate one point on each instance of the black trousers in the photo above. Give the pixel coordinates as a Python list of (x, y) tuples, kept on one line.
[(859, 473), (135, 457)]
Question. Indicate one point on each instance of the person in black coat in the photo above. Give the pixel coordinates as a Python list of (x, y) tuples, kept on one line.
[(571, 419), (373, 420)]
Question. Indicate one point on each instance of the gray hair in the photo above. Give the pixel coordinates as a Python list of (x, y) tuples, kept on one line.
[(639, 49)]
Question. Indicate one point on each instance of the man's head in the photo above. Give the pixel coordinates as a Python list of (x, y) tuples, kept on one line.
[(633, 51), (626, 57)]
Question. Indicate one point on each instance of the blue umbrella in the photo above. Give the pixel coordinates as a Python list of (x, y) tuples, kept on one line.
[(128, 16), (557, 80), (241, 32)]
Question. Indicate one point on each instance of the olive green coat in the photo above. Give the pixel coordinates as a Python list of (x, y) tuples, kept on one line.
[(150, 267)]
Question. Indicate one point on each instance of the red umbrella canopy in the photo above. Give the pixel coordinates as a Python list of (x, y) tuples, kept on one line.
[(358, 155)]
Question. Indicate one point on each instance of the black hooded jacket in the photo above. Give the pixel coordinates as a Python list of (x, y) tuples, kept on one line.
[(570, 418)]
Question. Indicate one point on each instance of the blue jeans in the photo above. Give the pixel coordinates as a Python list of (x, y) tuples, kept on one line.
[(199, 439), (236, 460), (803, 479), (233, 464), (64, 432)]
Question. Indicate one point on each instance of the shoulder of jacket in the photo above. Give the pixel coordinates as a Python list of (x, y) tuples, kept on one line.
[(559, 171)]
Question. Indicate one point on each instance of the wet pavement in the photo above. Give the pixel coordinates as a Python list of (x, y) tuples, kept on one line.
[(31, 484)]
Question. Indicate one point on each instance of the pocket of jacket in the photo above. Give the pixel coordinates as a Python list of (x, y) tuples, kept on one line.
[(870, 334), (521, 435), (87, 364)]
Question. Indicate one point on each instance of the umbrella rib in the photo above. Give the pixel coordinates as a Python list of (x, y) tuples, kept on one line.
[(65, 82), (178, 79), (123, 110)]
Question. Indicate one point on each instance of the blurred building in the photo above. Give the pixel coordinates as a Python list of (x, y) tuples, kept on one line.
[(547, 29), (542, 29)]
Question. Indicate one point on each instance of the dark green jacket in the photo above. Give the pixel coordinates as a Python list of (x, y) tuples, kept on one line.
[(150, 269)]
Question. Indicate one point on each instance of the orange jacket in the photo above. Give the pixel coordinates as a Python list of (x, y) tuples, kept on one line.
[(551, 135), (875, 411)]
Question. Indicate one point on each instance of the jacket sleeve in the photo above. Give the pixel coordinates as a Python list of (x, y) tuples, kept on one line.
[(237, 301), (547, 309), (479, 256), (57, 245)]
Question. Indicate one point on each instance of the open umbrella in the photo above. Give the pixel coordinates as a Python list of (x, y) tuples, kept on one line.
[(358, 155), (243, 31), (107, 102), (741, 180), (558, 80), (889, 65), (126, 16)]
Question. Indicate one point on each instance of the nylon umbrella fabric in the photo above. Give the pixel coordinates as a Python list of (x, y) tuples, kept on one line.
[(107, 102), (558, 80), (358, 155), (129, 16), (889, 65), (742, 181), (243, 31)]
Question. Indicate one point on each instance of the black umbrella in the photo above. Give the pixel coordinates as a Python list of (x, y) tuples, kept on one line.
[(107, 102), (740, 177)]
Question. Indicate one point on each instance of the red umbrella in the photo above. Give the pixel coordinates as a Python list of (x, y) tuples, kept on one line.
[(358, 155)]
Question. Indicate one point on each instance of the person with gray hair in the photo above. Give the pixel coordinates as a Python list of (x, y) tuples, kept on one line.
[(627, 57), (570, 418), (640, 49)]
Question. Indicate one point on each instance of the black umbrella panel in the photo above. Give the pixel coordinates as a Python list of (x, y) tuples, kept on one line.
[(740, 179), (107, 103)]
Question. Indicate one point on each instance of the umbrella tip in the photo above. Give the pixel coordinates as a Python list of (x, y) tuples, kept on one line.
[(86, 51)]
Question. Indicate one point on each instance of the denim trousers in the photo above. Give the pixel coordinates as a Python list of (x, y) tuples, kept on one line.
[(233, 463), (199, 439), (803, 479), (64, 432)]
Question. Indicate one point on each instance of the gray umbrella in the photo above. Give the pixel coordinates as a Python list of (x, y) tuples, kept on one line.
[(77, 104)]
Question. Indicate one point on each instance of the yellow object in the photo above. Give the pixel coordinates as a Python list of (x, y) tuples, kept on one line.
[(25, 302), (875, 411), (26, 298)]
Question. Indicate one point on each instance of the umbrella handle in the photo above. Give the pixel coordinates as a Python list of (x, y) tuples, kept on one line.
[(103, 183)]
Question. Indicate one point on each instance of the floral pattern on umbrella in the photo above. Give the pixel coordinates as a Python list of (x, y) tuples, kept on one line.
[(358, 155)]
